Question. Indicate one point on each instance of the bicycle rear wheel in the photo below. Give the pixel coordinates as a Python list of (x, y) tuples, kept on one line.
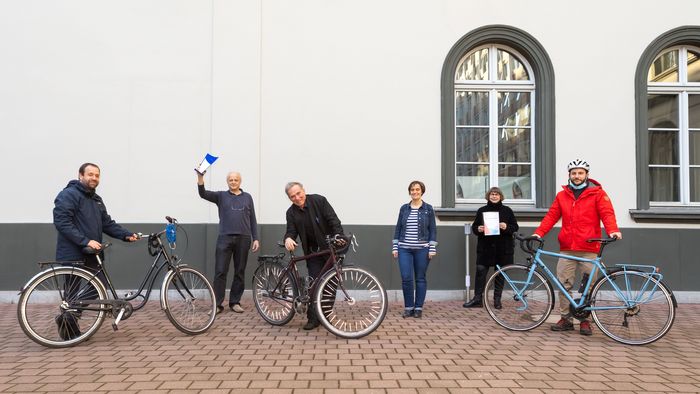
[(647, 318), (526, 303), (189, 300), (358, 315), (47, 309), (274, 293)]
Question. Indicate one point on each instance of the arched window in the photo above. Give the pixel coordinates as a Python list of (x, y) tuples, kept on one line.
[(497, 122), (493, 125), (667, 103)]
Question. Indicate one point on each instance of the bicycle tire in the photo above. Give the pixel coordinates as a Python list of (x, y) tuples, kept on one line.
[(641, 324), (45, 311), (519, 313), (273, 300), (189, 300), (355, 317)]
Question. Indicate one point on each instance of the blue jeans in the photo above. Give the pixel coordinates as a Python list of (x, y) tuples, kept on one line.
[(413, 264)]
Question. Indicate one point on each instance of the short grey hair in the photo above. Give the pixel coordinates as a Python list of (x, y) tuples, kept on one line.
[(291, 185)]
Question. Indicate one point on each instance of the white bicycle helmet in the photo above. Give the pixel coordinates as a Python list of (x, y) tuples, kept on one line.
[(578, 163)]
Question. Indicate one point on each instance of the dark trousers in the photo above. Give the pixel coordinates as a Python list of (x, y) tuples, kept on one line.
[(480, 282), (227, 246), (314, 267), (78, 289)]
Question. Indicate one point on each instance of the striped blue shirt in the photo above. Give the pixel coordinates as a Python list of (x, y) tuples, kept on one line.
[(411, 240)]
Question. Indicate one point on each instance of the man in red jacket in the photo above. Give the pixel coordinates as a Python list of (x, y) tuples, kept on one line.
[(581, 205)]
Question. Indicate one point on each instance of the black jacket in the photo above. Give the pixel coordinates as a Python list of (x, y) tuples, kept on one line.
[(80, 216), (325, 221), (495, 249)]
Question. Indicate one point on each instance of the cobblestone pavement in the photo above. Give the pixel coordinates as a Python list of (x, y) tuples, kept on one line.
[(450, 350)]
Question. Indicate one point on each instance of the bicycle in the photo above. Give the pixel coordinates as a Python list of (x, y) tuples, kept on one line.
[(350, 301), (629, 303), (66, 303)]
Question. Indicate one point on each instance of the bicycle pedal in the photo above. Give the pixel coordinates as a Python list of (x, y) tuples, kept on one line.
[(115, 327)]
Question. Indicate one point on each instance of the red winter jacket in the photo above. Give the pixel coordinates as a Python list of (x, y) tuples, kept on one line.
[(580, 218)]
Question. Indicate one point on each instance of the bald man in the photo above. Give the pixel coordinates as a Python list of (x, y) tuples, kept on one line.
[(238, 233)]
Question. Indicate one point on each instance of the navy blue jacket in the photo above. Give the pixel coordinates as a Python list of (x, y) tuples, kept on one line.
[(426, 224), (80, 216)]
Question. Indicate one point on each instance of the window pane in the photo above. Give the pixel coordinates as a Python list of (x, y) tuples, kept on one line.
[(515, 181), (694, 111), (474, 67), (472, 108), (663, 111), (664, 68), (663, 147), (694, 184), (663, 185), (694, 137), (514, 145), (472, 145), (510, 68), (693, 67), (513, 109), (472, 181)]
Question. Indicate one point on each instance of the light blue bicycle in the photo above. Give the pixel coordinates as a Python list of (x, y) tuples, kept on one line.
[(629, 303)]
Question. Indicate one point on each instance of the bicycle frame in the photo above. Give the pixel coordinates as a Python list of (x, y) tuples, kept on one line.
[(630, 300)]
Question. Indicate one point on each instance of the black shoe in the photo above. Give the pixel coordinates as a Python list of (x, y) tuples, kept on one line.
[(407, 313), (311, 324), (219, 309), (497, 303), (474, 303), (68, 327), (418, 313)]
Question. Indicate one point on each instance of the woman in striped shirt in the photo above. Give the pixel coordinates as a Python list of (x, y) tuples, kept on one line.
[(414, 245)]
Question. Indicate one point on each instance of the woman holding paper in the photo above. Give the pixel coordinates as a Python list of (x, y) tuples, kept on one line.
[(494, 226), (414, 244)]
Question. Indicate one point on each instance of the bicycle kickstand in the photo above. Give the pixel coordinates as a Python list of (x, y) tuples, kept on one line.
[(118, 319)]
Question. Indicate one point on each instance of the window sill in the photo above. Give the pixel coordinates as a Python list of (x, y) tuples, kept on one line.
[(666, 215), (468, 213)]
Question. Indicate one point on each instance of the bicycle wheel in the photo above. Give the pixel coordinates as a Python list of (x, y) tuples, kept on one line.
[(647, 317), (274, 293), (352, 317), (47, 309), (189, 300), (526, 301)]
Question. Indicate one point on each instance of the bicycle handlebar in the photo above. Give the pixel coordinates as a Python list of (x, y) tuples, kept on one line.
[(526, 242)]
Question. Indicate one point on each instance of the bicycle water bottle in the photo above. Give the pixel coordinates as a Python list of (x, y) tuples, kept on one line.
[(170, 233), (584, 280)]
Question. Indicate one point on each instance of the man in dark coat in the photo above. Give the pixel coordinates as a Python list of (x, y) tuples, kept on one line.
[(311, 218)]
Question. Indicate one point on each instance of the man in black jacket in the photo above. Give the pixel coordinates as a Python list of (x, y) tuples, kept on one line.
[(80, 216), (311, 218)]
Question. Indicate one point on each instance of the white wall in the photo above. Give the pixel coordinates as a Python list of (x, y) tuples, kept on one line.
[(342, 96)]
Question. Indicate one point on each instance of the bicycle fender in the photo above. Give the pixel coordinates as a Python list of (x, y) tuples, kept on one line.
[(84, 270), (163, 285)]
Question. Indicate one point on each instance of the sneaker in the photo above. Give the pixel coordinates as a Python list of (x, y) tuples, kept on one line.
[(585, 328), (418, 313), (68, 327), (563, 325), (219, 309), (236, 308), (407, 313)]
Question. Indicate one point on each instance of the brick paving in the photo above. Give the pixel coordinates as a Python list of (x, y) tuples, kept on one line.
[(450, 350)]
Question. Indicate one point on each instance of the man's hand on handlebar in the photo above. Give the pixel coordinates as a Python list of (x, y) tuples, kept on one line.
[(132, 238), (94, 244), (290, 244), (617, 235)]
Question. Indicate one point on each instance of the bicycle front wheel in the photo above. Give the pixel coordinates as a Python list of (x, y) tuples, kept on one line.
[(274, 293), (351, 305), (49, 312), (189, 300), (526, 301), (640, 313)]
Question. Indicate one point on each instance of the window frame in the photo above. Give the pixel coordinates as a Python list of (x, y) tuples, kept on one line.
[(684, 36), (533, 54), (493, 86)]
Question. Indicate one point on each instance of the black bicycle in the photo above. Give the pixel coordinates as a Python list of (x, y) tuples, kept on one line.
[(350, 301), (66, 303)]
